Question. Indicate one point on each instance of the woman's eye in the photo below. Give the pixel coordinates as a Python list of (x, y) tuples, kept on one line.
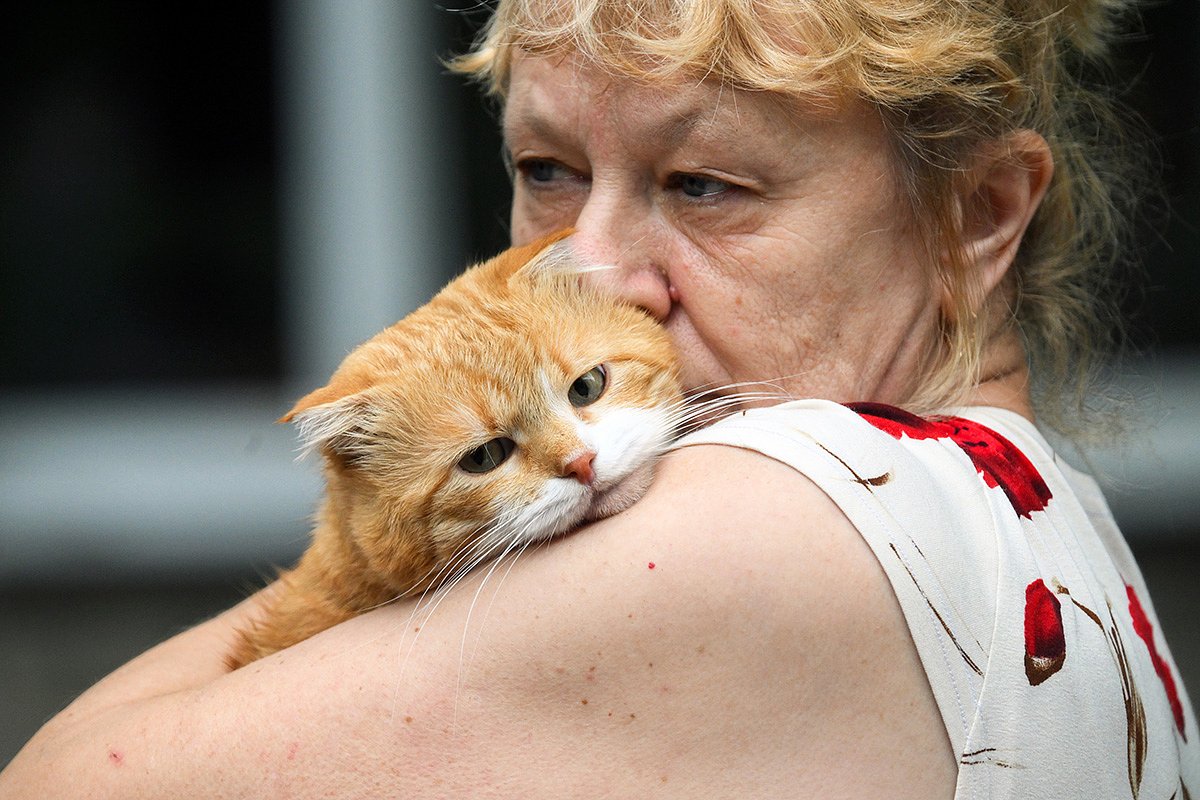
[(588, 387), (699, 186), (540, 170), (487, 456)]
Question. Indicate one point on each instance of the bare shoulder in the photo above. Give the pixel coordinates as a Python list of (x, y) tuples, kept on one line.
[(735, 626), (729, 635)]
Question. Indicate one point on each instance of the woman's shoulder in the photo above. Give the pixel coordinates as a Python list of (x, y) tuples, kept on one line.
[(729, 634), (734, 629), (1017, 589)]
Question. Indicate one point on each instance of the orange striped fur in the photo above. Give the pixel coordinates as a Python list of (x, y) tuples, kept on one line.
[(494, 354)]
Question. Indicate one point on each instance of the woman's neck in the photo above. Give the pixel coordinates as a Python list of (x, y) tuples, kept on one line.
[(1004, 378)]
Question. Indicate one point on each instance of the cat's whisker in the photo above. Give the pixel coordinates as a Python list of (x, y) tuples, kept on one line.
[(502, 535), (685, 417), (447, 577), (691, 410), (383, 603), (526, 543), (585, 269), (482, 547), (444, 577), (741, 388), (560, 259), (777, 383), (459, 566), (739, 398), (519, 543), (487, 540), (439, 575), (463, 560), (398, 423), (431, 579)]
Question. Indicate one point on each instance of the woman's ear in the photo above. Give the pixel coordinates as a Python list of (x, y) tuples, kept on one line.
[(1005, 186)]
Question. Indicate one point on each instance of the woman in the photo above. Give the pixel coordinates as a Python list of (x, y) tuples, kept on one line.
[(862, 203)]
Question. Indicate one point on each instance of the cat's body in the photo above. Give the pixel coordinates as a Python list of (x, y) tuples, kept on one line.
[(512, 407)]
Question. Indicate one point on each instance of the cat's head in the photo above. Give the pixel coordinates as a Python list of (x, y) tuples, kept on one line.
[(512, 407)]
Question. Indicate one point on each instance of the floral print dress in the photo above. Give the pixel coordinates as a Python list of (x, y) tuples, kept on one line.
[(1028, 611)]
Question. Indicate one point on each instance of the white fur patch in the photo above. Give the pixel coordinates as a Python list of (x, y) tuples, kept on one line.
[(560, 258), (328, 423), (627, 441)]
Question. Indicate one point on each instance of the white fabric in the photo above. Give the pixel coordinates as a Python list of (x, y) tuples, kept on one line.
[(965, 566)]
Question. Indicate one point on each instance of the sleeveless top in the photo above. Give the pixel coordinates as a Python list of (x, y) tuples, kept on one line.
[(1029, 614)]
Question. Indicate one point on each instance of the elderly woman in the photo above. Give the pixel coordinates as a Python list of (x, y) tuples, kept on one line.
[(894, 590)]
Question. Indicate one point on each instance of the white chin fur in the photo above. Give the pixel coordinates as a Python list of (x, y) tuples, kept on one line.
[(627, 442)]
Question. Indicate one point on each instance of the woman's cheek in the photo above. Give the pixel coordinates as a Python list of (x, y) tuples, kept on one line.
[(534, 217)]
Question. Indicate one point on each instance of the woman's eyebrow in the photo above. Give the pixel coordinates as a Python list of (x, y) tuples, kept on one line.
[(712, 122), (525, 120), (676, 130), (672, 131)]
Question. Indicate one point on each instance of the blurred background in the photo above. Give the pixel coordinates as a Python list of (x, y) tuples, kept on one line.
[(203, 207)]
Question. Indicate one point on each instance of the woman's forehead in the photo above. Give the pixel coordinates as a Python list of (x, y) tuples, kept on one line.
[(561, 101), (553, 97), (543, 89)]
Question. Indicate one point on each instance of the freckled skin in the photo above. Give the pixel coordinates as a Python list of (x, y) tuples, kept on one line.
[(806, 226), (780, 685)]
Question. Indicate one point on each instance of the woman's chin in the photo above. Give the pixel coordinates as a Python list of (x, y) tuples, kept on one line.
[(624, 494)]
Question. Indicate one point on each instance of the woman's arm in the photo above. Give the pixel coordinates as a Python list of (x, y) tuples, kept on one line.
[(157, 678), (186, 661), (730, 634)]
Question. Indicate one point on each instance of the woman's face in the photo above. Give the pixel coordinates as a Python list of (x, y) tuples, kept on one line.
[(768, 241)]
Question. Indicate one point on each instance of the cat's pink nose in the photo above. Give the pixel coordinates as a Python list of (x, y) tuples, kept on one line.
[(581, 468)]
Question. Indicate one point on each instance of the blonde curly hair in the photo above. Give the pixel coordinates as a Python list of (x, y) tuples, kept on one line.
[(947, 77)]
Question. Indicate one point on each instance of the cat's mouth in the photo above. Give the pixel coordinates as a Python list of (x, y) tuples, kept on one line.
[(621, 495)]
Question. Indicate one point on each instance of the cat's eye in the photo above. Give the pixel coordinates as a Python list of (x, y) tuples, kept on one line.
[(588, 387), (487, 456)]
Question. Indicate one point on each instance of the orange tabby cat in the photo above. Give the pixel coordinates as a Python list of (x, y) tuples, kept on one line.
[(511, 408)]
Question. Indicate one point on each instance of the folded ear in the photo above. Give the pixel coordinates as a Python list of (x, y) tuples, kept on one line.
[(517, 259), (318, 397), (335, 419)]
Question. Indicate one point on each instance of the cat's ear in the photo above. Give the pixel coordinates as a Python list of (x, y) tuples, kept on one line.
[(320, 397), (521, 259), (555, 258), (334, 420)]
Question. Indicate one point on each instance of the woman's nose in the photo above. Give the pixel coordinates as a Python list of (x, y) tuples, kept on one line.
[(624, 240)]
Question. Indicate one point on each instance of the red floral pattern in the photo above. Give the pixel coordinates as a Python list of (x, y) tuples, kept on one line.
[(1045, 644), (1145, 631), (997, 459)]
